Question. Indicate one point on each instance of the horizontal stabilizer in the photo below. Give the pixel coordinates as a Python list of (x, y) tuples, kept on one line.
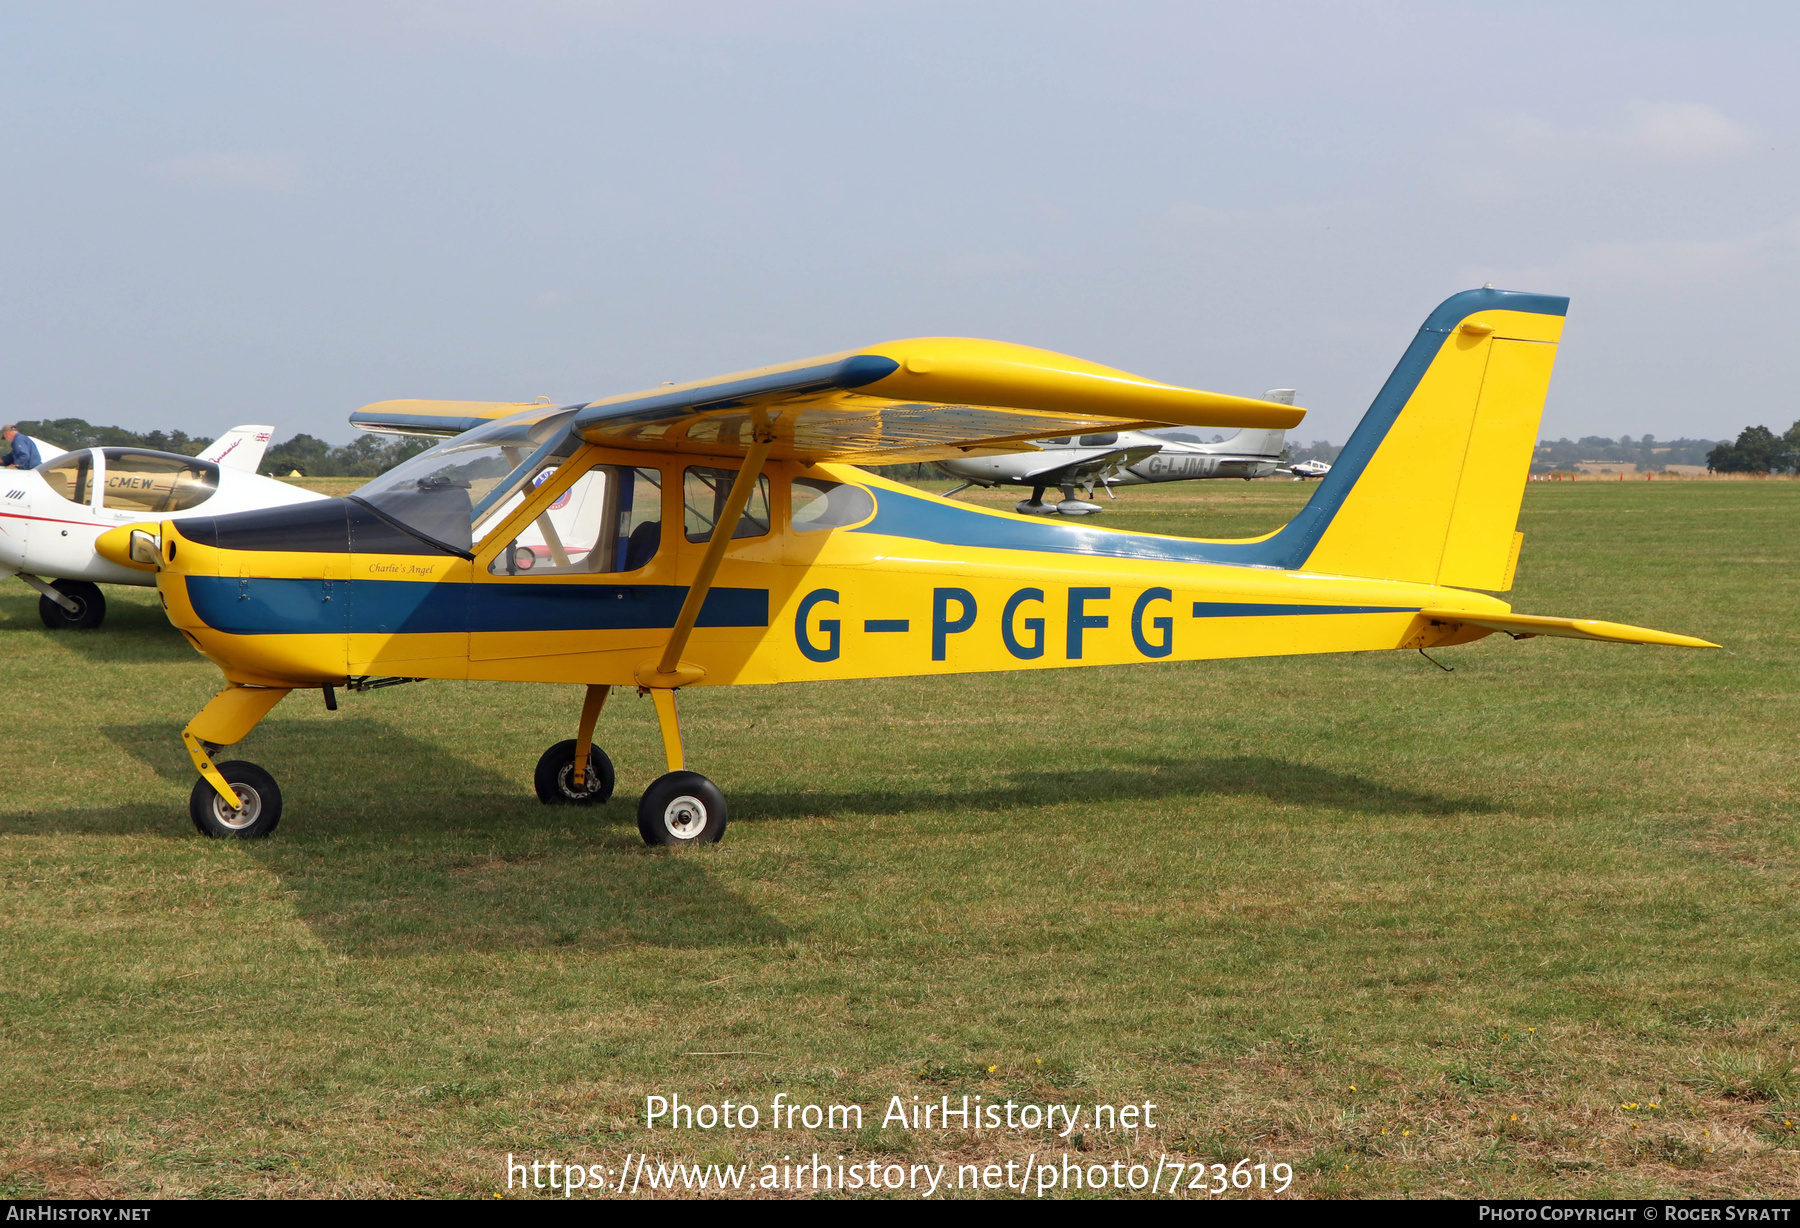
[(1521, 625)]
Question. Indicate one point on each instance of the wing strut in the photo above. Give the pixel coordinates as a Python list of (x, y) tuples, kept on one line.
[(668, 671)]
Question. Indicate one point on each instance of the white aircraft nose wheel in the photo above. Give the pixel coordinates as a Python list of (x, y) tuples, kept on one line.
[(682, 808), (255, 788), (555, 777)]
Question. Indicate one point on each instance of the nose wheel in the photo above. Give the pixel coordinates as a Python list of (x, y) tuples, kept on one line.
[(256, 815)]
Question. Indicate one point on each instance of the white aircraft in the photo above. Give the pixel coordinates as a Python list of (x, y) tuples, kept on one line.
[(1121, 458), (51, 516), (1309, 469)]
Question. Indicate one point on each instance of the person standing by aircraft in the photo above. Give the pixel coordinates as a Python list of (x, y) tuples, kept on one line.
[(21, 453)]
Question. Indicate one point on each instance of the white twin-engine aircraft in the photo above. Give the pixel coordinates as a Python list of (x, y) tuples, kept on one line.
[(1122, 458), (51, 516)]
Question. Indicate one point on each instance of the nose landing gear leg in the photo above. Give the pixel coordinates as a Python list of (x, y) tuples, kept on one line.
[(234, 800), (681, 807)]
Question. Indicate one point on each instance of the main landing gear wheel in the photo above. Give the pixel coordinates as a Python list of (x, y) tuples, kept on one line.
[(254, 787), (682, 808), (555, 777), (90, 606)]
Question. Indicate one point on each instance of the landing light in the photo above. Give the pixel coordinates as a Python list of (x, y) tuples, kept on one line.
[(145, 548)]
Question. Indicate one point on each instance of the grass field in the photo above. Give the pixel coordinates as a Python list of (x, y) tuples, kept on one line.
[(1523, 929)]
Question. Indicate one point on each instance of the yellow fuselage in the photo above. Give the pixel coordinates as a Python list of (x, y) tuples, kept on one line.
[(924, 586)]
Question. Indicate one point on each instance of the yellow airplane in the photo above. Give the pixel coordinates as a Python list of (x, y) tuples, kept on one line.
[(719, 533)]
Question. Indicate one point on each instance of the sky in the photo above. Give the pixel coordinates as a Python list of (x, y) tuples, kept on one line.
[(218, 213)]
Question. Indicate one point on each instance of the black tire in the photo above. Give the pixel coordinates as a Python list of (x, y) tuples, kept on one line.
[(254, 787), (90, 605), (682, 808), (556, 771)]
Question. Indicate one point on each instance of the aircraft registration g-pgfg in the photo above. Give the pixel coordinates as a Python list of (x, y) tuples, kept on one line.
[(719, 533)]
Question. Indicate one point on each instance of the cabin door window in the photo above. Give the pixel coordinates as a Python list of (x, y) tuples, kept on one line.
[(704, 495), (609, 521)]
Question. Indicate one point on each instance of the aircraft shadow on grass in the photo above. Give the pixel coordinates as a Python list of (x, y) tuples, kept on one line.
[(448, 857), (1280, 781), (454, 857)]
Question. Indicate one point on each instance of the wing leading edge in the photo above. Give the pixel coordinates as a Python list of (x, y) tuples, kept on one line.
[(434, 419)]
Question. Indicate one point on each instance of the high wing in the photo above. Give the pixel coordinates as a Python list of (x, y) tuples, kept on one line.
[(1520, 626), (928, 398), (1090, 467), (433, 419)]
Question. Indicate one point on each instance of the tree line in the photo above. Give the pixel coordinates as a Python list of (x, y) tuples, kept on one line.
[(363, 457), (1757, 449), (1647, 452)]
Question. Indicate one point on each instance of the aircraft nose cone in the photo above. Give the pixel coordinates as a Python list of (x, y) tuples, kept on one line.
[(114, 546)]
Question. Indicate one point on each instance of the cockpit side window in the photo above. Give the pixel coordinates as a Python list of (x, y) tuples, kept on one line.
[(608, 521), (704, 494), (156, 481), (70, 475), (820, 504), (1100, 441)]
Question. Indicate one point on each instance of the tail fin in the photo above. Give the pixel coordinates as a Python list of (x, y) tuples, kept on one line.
[(1255, 441), (241, 447), (1429, 486)]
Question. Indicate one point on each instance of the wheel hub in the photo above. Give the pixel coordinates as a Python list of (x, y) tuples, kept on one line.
[(239, 819), (565, 780), (685, 817)]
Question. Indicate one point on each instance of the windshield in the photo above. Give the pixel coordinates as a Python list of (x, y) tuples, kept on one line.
[(462, 483)]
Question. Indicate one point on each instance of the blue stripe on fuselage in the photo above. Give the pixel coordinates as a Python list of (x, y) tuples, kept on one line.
[(1258, 609), (255, 606)]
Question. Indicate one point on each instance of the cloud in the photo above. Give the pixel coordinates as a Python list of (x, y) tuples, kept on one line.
[(1650, 131), (1527, 155), (248, 172), (1657, 263), (1684, 131)]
